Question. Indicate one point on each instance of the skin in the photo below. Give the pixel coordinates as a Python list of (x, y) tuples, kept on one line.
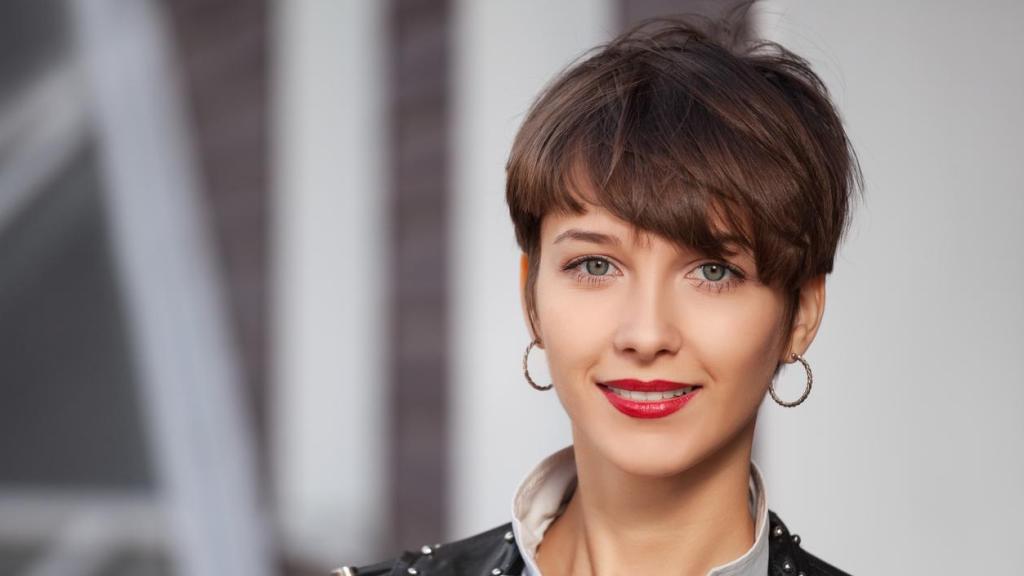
[(672, 491)]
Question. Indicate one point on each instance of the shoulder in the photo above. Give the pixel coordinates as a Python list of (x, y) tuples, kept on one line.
[(491, 552), (786, 557)]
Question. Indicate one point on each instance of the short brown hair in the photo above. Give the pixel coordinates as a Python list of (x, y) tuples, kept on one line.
[(677, 124)]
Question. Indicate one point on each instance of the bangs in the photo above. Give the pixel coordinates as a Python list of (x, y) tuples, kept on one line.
[(665, 200)]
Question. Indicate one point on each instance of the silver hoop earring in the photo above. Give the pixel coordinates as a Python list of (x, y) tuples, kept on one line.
[(526, 369), (807, 389)]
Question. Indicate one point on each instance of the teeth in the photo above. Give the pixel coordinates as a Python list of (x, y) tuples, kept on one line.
[(650, 396)]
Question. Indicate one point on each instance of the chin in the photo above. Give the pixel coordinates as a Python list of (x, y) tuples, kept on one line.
[(654, 454)]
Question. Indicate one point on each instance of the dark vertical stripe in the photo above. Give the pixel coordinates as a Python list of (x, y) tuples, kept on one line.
[(419, 70), (632, 11)]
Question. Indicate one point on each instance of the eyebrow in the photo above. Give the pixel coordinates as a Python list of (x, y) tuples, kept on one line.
[(732, 243), (587, 236)]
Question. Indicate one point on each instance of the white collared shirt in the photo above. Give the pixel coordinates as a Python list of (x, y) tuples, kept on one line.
[(543, 494)]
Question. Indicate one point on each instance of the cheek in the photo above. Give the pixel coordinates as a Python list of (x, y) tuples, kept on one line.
[(575, 325), (738, 340)]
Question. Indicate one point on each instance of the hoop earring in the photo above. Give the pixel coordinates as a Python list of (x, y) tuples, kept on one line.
[(807, 390), (526, 370)]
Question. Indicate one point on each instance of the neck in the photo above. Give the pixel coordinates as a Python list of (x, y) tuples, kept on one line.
[(621, 523)]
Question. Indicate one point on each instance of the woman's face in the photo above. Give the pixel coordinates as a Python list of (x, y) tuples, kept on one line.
[(613, 306)]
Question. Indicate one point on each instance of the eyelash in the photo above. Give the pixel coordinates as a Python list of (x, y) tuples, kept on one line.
[(576, 266)]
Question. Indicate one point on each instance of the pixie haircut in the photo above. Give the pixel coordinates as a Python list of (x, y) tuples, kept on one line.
[(685, 131)]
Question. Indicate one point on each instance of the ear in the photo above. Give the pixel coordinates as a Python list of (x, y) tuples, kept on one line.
[(809, 311), (524, 266)]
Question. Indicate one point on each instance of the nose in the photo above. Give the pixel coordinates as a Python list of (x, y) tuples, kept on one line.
[(648, 325)]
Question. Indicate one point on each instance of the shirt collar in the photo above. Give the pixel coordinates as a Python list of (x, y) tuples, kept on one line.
[(544, 492)]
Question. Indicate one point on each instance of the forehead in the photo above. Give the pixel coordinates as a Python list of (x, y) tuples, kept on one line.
[(559, 227), (597, 225)]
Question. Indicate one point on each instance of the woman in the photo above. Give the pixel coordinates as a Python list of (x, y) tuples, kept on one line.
[(678, 200)]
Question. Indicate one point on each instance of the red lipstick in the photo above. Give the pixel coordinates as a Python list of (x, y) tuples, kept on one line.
[(652, 399)]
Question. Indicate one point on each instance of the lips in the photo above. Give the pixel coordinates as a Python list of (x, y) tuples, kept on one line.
[(651, 399)]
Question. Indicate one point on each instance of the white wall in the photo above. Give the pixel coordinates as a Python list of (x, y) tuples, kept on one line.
[(506, 52), (907, 457), (329, 430)]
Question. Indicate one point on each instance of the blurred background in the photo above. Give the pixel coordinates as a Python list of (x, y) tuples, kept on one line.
[(259, 306)]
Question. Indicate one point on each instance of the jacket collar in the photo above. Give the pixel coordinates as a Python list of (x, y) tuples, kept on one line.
[(496, 553)]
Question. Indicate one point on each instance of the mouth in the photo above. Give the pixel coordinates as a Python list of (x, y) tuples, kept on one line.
[(654, 399)]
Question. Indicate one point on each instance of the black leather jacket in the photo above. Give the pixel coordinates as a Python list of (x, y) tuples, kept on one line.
[(494, 553)]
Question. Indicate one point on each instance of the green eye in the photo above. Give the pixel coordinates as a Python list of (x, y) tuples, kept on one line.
[(597, 267), (713, 272)]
